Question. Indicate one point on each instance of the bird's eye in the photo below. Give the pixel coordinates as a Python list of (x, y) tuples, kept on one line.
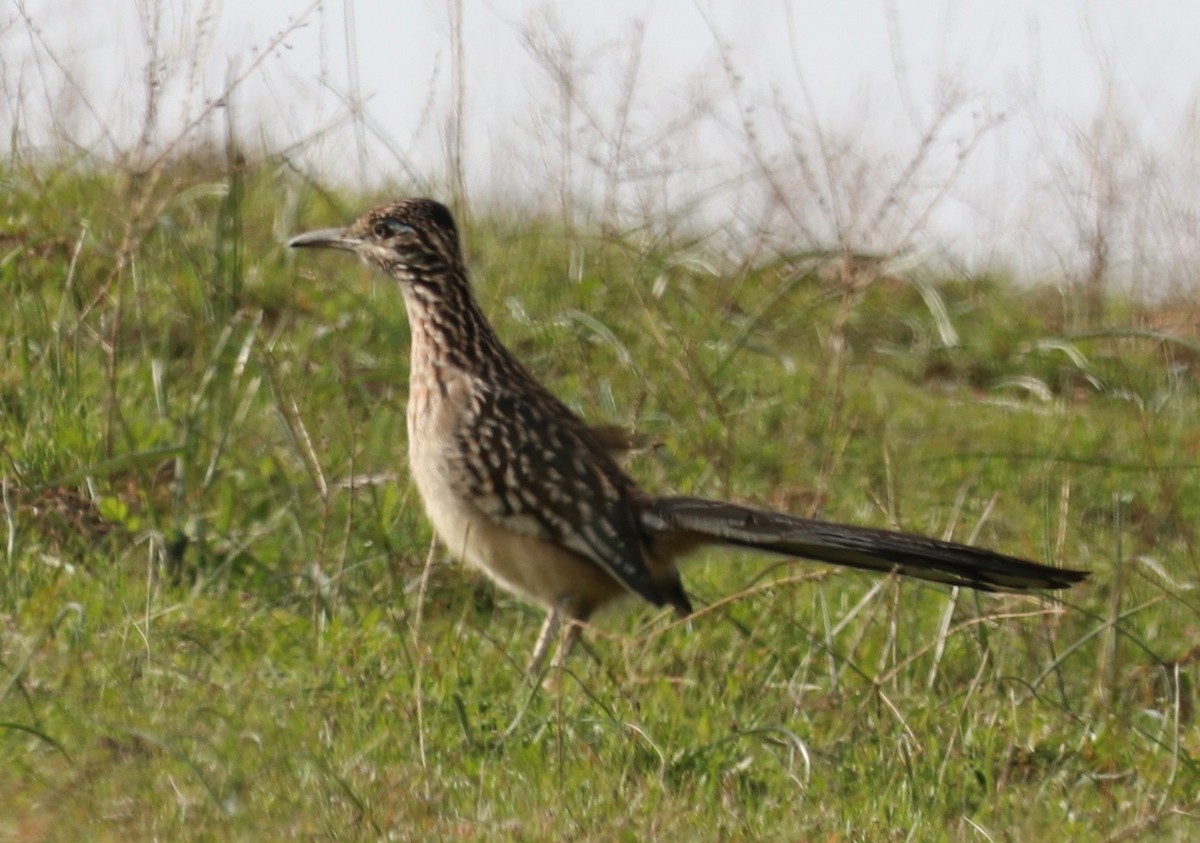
[(390, 228)]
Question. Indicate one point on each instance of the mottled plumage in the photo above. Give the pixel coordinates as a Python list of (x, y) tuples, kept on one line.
[(518, 485)]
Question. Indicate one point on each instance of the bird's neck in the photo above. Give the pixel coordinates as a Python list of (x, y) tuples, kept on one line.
[(450, 330)]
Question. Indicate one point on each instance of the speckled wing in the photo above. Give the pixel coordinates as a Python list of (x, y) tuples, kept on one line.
[(535, 469)]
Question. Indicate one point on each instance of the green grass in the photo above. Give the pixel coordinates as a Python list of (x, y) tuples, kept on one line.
[(211, 632)]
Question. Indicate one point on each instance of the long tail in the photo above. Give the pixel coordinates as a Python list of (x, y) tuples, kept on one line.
[(694, 521)]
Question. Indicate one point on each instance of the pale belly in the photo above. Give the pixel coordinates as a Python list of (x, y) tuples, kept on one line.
[(511, 554)]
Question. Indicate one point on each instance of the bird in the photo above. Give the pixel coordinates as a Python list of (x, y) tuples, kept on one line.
[(519, 486)]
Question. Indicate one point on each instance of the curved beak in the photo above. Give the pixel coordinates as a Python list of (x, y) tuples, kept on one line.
[(326, 238)]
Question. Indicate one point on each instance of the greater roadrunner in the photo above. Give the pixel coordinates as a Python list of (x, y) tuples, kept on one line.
[(518, 485)]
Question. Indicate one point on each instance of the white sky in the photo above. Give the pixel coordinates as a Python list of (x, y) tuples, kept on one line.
[(860, 81)]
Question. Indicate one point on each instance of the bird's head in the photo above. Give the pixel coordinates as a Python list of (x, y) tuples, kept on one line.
[(410, 239)]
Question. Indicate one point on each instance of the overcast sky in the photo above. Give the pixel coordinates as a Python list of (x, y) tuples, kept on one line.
[(849, 87)]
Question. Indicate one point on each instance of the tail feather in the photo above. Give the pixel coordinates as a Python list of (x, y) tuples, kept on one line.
[(698, 521)]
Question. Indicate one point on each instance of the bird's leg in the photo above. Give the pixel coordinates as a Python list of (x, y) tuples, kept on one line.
[(541, 649), (570, 636), (544, 640), (553, 628)]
